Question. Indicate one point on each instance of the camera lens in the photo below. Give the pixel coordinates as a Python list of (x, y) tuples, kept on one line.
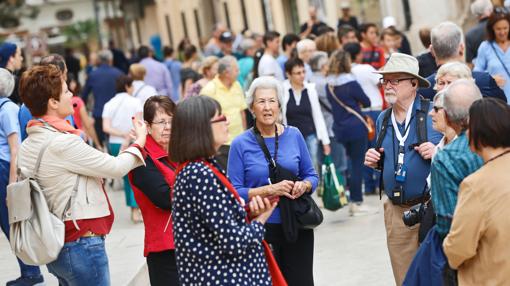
[(413, 215)]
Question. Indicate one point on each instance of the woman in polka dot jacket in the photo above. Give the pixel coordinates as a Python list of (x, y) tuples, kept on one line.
[(215, 245)]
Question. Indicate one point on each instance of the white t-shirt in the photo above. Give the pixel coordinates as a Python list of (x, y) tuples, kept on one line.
[(119, 110), (368, 79), (268, 66), (143, 91)]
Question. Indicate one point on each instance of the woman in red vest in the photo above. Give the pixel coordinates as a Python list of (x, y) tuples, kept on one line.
[(152, 187)]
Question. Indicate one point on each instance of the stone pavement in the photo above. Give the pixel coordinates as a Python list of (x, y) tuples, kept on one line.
[(348, 251)]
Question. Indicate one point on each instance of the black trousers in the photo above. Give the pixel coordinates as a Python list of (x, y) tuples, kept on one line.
[(294, 258), (162, 268), (98, 126)]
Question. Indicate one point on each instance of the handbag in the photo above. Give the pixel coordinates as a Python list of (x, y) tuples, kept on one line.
[(429, 264), (36, 235), (333, 196), (366, 120), (277, 277), (301, 213)]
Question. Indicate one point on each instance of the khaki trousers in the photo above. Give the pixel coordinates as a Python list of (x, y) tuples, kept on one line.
[(402, 241)]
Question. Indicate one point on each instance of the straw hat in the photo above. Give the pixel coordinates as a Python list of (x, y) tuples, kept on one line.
[(402, 63)]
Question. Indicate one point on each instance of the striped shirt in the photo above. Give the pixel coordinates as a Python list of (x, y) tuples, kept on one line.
[(450, 166)]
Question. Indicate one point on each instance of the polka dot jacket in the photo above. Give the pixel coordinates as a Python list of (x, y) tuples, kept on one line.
[(214, 244)]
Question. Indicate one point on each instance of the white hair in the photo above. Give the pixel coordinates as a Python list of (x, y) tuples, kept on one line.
[(304, 44), (456, 69), (264, 82), (105, 56), (458, 98), (318, 60), (446, 39), (6, 83), (226, 63), (481, 7)]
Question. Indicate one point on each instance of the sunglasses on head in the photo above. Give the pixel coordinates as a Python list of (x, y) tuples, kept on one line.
[(220, 118)]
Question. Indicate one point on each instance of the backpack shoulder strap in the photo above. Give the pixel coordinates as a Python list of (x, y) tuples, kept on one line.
[(421, 121), (384, 126), (39, 156), (1, 105)]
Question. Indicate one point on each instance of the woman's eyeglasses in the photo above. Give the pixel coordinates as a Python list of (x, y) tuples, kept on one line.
[(163, 123), (220, 118)]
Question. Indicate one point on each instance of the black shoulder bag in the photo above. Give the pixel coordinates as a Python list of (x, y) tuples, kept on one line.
[(301, 213)]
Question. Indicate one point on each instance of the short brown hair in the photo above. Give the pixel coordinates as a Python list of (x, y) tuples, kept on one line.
[(137, 71), (493, 19), (339, 63), (123, 81), (38, 85), (192, 136), (157, 103), (489, 124), (327, 43)]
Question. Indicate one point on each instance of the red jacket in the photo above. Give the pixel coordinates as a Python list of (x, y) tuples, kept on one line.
[(157, 221)]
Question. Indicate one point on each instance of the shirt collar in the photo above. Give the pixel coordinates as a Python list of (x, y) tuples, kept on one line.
[(153, 149)]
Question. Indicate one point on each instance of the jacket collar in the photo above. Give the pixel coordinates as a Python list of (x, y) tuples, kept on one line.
[(153, 149)]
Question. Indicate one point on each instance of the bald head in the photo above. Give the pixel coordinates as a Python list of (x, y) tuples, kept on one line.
[(458, 98)]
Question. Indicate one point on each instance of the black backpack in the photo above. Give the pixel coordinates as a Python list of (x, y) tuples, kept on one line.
[(421, 132)]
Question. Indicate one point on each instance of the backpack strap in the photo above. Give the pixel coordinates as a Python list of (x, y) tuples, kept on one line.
[(378, 144), (421, 120), (8, 100), (384, 128)]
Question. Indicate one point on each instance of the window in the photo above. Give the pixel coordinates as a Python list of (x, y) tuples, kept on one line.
[(184, 25), (169, 30), (197, 23), (245, 19), (227, 15)]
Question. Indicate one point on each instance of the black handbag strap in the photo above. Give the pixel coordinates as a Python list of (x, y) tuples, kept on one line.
[(263, 146), (499, 58)]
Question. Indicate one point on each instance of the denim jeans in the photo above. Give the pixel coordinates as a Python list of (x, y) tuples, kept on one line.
[(371, 176), (26, 270), (355, 150), (312, 144), (82, 262)]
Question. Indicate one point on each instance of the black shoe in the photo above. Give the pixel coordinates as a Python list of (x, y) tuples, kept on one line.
[(27, 281)]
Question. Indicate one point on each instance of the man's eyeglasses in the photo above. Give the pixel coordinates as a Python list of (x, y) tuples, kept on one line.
[(163, 123), (384, 81), (220, 118)]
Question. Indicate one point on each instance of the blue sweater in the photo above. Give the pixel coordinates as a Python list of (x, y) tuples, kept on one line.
[(247, 166), (346, 126)]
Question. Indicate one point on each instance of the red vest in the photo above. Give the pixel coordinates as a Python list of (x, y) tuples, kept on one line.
[(158, 223)]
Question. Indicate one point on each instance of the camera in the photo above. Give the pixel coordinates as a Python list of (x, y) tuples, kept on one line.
[(414, 215)]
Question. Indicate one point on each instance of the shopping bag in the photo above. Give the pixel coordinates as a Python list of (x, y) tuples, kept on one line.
[(333, 196)]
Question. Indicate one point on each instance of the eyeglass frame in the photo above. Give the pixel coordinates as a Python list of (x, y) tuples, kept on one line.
[(220, 118), (398, 80)]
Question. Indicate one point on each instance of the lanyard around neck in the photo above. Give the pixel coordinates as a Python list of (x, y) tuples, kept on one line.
[(402, 138)]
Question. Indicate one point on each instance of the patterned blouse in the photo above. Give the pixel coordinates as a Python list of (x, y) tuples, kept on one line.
[(213, 243)]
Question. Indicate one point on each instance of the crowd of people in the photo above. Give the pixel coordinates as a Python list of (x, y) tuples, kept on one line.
[(218, 145)]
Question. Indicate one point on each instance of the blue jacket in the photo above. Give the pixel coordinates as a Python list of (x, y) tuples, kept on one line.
[(347, 126), (483, 80), (101, 82)]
